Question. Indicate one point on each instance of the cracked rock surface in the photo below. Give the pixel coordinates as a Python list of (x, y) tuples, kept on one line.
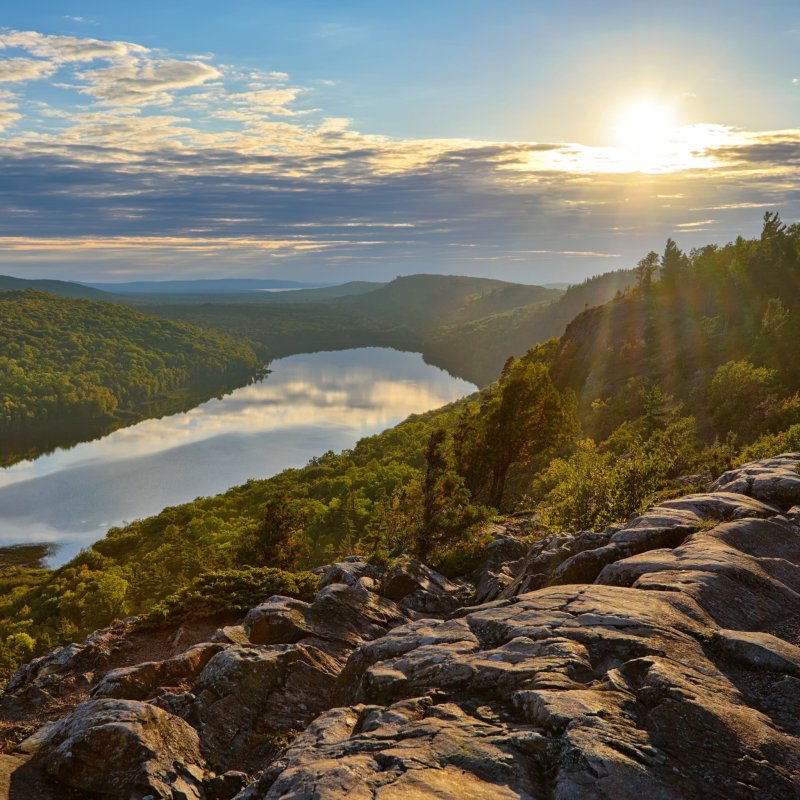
[(659, 659)]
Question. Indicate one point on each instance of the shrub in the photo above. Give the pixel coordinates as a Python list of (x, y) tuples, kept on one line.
[(771, 444), (230, 590)]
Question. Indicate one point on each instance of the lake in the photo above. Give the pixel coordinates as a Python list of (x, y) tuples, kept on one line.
[(307, 405)]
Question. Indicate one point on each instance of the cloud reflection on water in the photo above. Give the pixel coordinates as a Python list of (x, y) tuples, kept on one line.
[(307, 405)]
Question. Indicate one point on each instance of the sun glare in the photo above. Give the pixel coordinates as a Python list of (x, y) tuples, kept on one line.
[(646, 134)]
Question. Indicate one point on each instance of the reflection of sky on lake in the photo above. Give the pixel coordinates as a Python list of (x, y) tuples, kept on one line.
[(307, 405)]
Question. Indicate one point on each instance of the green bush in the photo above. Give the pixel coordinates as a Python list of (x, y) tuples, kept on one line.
[(230, 590), (771, 444)]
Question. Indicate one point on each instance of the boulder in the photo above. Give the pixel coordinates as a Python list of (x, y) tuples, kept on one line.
[(247, 699), (500, 562), (350, 571), (340, 614), (771, 480), (125, 749), (759, 651), (416, 587), (145, 680)]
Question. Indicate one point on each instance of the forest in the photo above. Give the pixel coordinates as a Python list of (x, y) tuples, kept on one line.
[(688, 372), (71, 369), (468, 326)]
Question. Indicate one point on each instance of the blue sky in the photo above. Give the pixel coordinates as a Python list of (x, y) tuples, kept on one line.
[(537, 141)]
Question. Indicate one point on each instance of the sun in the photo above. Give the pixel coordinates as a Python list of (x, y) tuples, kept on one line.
[(643, 123), (645, 132)]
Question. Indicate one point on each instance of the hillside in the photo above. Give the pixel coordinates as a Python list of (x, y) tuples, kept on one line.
[(71, 369), (476, 347), (404, 314), (716, 329), (60, 288), (423, 302)]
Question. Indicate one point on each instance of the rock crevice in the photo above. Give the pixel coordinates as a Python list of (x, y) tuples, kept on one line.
[(659, 659)]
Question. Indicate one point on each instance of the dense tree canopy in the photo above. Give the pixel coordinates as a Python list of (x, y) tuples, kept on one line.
[(71, 368), (675, 381)]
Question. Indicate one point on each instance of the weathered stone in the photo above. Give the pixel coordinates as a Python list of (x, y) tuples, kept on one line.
[(771, 480), (125, 749), (546, 555), (226, 786), (410, 750), (759, 650), (230, 634), (416, 587), (350, 571), (638, 689), (340, 613), (247, 698), (500, 562), (144, 681)]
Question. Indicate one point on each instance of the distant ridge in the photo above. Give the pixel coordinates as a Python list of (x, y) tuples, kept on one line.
[(204, 286), (61, 288)]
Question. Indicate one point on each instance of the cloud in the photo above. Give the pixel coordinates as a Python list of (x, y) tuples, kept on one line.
[(7, 118), (148, 83), (779, 148), (243, 171), (68, 48), (18, 70), (703, 223), (256, 103)]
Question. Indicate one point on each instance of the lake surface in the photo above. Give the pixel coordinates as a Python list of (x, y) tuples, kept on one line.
[(307, 405)]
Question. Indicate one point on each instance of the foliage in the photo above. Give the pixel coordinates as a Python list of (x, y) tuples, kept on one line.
[(738, 395), (447, 508), (70, 369), (712, 307), (230, 591), (519, 421), (771, 444), (598, 485)]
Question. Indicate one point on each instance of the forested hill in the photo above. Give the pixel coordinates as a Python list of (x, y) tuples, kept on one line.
[(71, 369), (717, 329), (423, 302), (690, 372), (476, 347), (61, 288), (469, 326), (405, 313)]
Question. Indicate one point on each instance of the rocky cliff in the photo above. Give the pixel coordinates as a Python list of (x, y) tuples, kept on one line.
[(655, 660)]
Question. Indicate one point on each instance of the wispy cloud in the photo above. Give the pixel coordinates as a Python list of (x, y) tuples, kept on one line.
[(21, 70), (144, 83), (80, 20), (184, 163)]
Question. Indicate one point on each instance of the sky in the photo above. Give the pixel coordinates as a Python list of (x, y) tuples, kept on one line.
[(529, 140)]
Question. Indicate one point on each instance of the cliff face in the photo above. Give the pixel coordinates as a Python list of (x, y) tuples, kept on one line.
[(658, 659)]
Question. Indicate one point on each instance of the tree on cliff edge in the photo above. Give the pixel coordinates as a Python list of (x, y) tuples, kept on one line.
[(524, 417)]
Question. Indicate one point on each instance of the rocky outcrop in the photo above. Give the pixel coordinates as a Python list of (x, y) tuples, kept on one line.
[(124, 748), (772, 480), (659, 659), (668, 672)]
